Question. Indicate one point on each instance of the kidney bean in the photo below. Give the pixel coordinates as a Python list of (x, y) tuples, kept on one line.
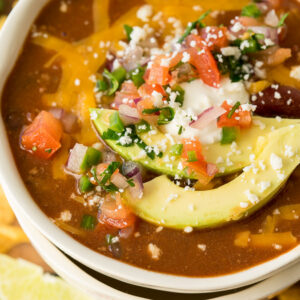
[(277, 100)]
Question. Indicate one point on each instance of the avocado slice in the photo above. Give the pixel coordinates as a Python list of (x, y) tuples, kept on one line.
[(229, 158), (169, 205)]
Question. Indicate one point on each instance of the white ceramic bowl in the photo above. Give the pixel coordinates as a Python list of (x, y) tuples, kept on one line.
[(79, 278), (12, 37)]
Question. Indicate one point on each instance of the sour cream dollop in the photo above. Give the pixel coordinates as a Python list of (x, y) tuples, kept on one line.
[(198, 97)]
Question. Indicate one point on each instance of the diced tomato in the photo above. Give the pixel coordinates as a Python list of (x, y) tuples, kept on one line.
[(114, 213), (146, 90), (239, 118), (157, 75), (126, 95), (203, 61), (199, 166), (215, 37), (171, 60), (42, 137)]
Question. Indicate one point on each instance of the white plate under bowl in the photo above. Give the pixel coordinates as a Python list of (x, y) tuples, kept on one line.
[(12, 37), (78, 277)]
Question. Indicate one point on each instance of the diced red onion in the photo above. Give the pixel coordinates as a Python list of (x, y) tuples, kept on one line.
[(128, 114), (137, 190), (207, 116), (137, 100), (108, 156), (130, 169), (271, 18), (119, 181), (125, 233), (211, 169), (68, 120), (76, 157), (268, 32)]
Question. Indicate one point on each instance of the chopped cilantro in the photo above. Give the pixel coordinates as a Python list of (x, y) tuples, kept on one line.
[(128, 30), (49, 150), (251, 10), (282, 20), (193, 25), (130, 182), (110, 135)]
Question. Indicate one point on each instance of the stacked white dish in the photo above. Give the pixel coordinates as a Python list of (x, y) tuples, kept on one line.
[(280, 271)]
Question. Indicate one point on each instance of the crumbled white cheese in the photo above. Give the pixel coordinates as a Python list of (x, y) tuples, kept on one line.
[(295, 72), (185, 57), (288, 152), (145, 12), (263, 185), (154, 251), (275, 161), (188, 229), (157, 99), (202, 247), (244, 204), (251, 197), (231, 51), (65, 216)]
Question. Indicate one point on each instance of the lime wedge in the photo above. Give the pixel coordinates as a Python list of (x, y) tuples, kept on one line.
[(22, 280)]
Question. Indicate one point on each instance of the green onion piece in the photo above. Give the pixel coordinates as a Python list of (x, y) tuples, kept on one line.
[(282, 20), (194, 25), (229, 135), (251, 10), (179, 94), (131, 182), (84, 184), (259, 36), (115, 123), (128, 30), (137, 75), (233, 109), (114, 79), (192, 156), (120, 74), (110, 135), (49, 150), (101, 85), (92, 157), (176, 149), (150, 111), (180, 130), (88, 222), (142, 127), (166, 115)]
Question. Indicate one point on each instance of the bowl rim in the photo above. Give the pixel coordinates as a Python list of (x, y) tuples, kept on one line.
[(78, 277), (17, 25)]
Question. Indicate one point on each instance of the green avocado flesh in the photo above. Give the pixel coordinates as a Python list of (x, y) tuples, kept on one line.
[(169, 205), (229, 158)]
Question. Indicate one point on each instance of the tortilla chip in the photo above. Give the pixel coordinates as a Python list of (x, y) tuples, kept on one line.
[(6, 214), (11, 236)]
